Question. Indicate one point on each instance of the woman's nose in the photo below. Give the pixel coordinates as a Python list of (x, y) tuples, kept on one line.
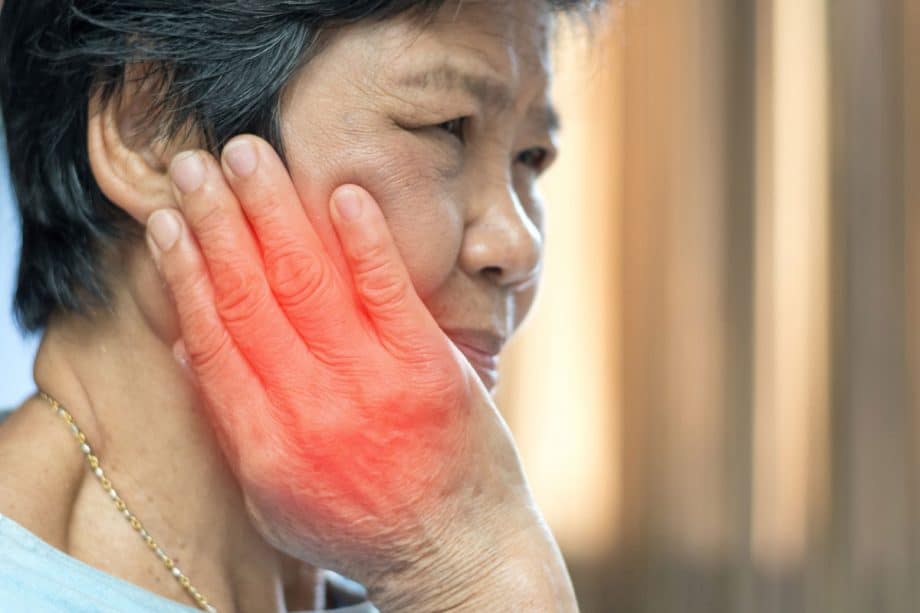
[(501, 241)]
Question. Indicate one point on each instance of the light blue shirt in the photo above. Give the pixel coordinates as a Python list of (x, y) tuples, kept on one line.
[(37, 578)]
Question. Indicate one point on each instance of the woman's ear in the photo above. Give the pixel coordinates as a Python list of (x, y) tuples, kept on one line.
[(129, 167)]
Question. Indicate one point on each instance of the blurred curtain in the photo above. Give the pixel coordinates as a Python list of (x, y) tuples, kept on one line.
[(716, 398), (16, 352)]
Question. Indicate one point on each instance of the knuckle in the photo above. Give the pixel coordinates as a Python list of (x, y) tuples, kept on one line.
[(298, 277), (264, 206), (369, 257), (205, 210), (209, 352), (187, 284), (382, 286), (239, 295)]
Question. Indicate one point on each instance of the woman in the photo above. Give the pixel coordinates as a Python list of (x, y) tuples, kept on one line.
[(290, 370)]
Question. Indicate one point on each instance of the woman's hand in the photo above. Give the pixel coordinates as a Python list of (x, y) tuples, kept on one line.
[(361, 437)]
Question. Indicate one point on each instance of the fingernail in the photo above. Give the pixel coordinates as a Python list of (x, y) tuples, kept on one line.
[(348, 203), (187, 171), (164, 228), (241, 157)]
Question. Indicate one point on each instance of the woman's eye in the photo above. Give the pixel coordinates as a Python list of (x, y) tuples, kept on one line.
[(455, 127), (534, 158)]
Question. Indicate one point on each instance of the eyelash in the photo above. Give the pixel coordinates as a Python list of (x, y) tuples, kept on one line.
[(456, 127), (535, 158)]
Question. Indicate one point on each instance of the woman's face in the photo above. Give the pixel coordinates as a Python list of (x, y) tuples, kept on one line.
[(448, 126)]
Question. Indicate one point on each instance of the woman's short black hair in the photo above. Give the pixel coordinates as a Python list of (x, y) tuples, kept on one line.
[(217, 65)]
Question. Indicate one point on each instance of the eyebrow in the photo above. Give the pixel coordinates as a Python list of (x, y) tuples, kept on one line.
[(491, 92)]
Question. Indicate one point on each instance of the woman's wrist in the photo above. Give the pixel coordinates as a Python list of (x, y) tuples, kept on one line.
[(506, 561)]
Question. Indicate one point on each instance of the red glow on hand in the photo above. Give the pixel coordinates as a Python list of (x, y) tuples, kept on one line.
[(338, 400)]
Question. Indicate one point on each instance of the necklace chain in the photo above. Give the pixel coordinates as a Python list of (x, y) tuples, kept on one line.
[(95, 468)]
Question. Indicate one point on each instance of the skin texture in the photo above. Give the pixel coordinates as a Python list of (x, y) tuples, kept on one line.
[(376, 441), (399, 447), (351, 435)]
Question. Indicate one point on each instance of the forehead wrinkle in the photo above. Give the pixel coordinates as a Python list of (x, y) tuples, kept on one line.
[(491, 92)]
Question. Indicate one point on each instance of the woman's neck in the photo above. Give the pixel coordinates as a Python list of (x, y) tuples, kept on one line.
[(141, 414)]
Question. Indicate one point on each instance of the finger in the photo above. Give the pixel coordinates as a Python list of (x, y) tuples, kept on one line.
[(381, 280), (299, 272), (222, 373), (242, 296)]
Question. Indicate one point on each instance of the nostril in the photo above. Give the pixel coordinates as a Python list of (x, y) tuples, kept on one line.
[(493, 271)]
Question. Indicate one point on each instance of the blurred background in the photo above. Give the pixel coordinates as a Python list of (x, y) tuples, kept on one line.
[(16, 351), (716, 397)]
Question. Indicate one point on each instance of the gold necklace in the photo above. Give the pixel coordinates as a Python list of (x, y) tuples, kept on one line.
[(97, 471)]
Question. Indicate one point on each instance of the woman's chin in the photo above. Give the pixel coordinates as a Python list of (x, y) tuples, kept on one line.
[(488, 376)]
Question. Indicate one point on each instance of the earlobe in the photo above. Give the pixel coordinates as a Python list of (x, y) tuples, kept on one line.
[(132, 175)]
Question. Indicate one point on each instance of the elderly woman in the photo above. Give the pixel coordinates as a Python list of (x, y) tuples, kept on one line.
[(275, 249)]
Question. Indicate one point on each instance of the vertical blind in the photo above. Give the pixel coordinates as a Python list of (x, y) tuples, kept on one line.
[(716, 396)]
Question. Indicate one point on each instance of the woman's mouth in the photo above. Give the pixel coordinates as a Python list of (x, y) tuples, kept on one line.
[(481, 348)]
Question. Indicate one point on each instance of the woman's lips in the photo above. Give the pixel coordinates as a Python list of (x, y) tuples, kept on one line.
[(482, 349), (486, 366)]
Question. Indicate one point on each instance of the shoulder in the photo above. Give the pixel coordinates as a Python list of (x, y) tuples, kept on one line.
[(37, 577), (26, 574), (38, 479)]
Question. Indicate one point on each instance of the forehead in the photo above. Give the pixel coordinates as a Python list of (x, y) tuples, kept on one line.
[(509, 37), (496, 42)]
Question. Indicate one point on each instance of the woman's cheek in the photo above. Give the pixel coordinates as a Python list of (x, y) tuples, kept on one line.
[(427, 223), (415, 184), (422, 205), (523, 301)]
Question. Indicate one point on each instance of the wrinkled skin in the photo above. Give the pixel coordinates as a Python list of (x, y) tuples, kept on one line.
[(341, 404), (362, 438)]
